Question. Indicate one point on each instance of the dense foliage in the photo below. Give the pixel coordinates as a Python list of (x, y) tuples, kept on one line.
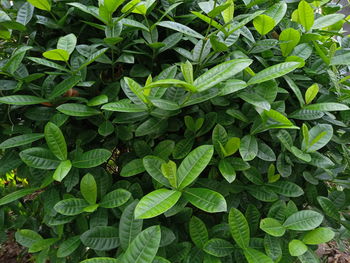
[(174, 131)]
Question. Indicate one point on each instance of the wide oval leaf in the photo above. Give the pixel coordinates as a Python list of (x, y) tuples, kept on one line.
[(239, 228), (206, 200), (303, 220), (39, 158), (115, 198), (21, 140), (101, 238), (91, 158), (55, 140), (156, 203), (71, 206)]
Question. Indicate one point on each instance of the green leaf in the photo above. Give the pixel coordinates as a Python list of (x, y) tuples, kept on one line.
[(273, 72), (129, 227), (264, 24), (327, 106), (39, 158), (228, 13), (21, 100), (98, 100), (303, 220), (67, 43), (206, 200), (21, 140), (286, 188), (327, 20), (41, 4), (341, 59), (62, 170), (152, 165), (328, 207), (68, 246), (100, 260), (289, 40), (55, 140), (187, 71), (227, 170), (136, 89), (165, 104), (64, 86), (124, 106), (239, 228), (192, 166), (272, 227), (71, 206), (318, 236), (25, 13), (27, 237), (91, 158), (296, 248), (77, 110), (306, 15), (317, 137), (88, 188), (144, 247), (156, 203), (180, 28), (198, 232), (16, 195), (311, 93), (57, 54), (232, 146), (248, 148), (221, 73), (277, 11), (47, 63), (115, 198), (132, 168), (218, 247), (101, 238), (255, 256), (169, 171), (42, 244)]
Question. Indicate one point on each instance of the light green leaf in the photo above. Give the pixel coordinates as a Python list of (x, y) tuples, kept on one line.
[(88, 188), (221, 73), (264, 24), (327, 20), (180, 28), (343, 59), (62, 170), (67, 43), (311, 93), (129, 227), (305, 15), (273, 72), (115, 198), (144, 247), (136, 89), (303, 220), (156, 203), (277, 11), (42, 244), (169, 171), (41, 4), (327, 106), (317, 137), (25, 13), (124, 106), (21, 140), (227, 170), (165, 104), (77, 110), (206, 200), (198, 232), (55, 140), (286, 188), (318, 236), (218, 247), (57, 54), (192, 166), (296, 248), (101, 238), (22, 100), (289, 39), (228, 13), (239, 228), (272, 227), (91, 158), (71, 206), (187, 71), (98, 100)]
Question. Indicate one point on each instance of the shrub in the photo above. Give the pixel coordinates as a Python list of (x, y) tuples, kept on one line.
[(174, 131)]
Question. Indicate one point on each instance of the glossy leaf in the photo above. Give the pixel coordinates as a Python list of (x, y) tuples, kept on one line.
[(55, 140), (21, 140), (303, 220), (101, 238), (239, 228), (206, 200)]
